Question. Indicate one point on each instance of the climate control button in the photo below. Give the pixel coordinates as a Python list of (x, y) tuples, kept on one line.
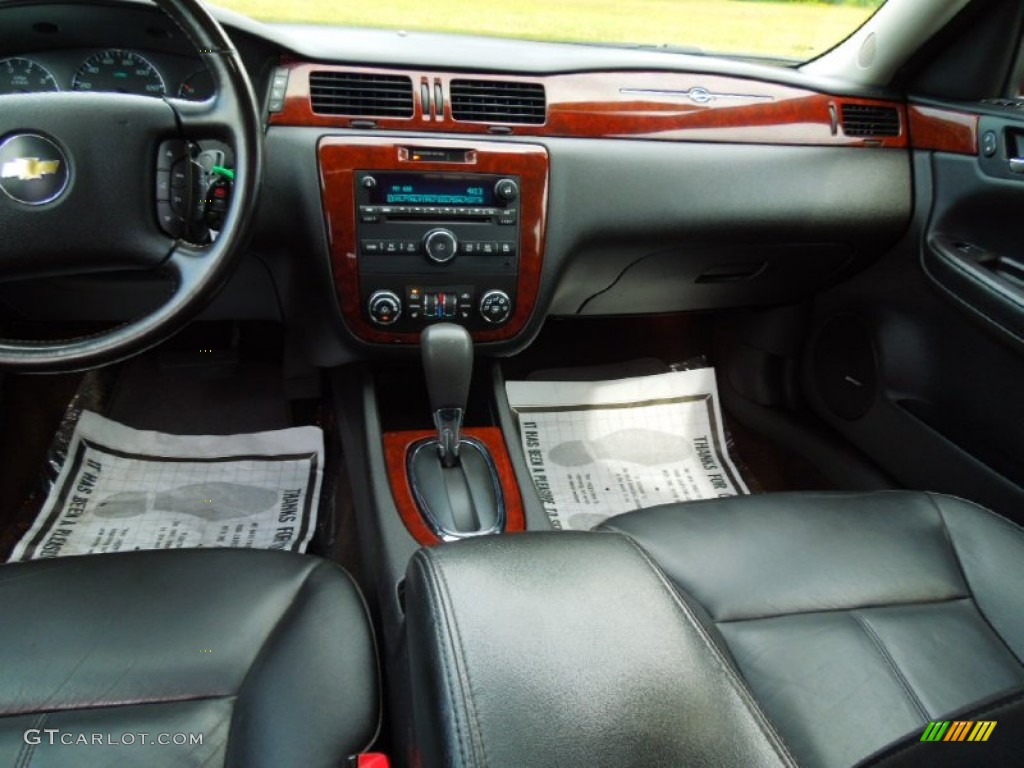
[(384, 307), (495, 307)]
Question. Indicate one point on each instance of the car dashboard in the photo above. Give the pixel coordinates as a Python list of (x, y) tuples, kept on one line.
[(410, 178)]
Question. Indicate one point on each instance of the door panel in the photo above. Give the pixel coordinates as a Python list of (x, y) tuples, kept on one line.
[(942, 315)]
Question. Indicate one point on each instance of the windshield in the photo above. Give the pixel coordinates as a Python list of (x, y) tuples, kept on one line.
[(785, 29)]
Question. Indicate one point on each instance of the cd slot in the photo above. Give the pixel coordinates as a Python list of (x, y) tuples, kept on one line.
[(447, 219)]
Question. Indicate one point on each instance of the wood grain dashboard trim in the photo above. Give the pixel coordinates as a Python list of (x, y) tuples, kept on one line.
[(340, 157), (396, 448), (649, 105), (943, 130)]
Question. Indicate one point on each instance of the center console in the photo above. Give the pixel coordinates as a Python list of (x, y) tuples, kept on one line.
[(424, 231)]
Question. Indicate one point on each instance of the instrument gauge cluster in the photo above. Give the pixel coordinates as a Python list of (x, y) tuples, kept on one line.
[(109, 70), (20, 75), (119, 71)]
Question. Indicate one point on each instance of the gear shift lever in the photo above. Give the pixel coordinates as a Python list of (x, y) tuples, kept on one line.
[(447, 353), (458, 492)]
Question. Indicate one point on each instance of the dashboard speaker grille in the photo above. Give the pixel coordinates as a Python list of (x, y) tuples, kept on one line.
[(498, 101), (867, 120), (360, 94)]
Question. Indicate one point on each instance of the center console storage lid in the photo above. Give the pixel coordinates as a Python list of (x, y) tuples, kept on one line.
[(569, 649)]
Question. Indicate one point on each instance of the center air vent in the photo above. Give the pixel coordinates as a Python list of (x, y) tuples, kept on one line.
[(360, 94), (498, 101), (870, 121)]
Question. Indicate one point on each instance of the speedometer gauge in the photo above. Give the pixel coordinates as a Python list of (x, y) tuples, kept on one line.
[(119, 71), (19, 75)]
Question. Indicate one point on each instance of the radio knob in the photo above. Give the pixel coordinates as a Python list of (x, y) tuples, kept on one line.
[(440, 245), (507, 190), (495, 307), (385, 307)]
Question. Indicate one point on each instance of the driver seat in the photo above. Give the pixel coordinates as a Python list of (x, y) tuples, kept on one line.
[(185, 658)]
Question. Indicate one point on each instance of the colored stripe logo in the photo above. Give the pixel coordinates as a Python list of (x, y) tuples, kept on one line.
[(959, 730)]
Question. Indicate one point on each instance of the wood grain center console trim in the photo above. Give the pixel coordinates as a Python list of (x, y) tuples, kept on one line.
[(341, 156), (396, 448)]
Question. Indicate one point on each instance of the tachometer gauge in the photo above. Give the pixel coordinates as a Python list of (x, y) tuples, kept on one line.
[(119, 71), (24, 76)]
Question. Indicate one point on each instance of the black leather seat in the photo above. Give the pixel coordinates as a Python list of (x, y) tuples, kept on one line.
[(855, 618), (269, 657), (813, 630)]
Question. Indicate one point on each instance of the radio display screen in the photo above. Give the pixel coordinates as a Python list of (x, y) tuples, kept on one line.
[(431, 189)]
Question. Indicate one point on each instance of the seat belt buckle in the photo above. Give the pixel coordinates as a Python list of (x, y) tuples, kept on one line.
[(369, 760)]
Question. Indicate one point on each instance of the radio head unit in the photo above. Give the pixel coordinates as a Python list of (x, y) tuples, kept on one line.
[(437, 246)]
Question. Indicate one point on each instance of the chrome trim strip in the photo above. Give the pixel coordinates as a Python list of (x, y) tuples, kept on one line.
[(697, 94), (443, 533)]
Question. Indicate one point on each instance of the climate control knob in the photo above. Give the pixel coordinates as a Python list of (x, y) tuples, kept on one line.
[(495, 307), (440, 245), (384, 307)]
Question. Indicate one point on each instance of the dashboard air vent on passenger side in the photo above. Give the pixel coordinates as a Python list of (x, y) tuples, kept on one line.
[(360, 94), (498, 101), (870, 121)]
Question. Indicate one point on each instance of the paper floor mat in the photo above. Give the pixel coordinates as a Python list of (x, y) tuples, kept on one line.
[(600, 448), (123, 489)]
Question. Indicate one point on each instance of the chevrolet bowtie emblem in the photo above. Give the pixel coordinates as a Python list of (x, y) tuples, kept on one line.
[(28, 168)]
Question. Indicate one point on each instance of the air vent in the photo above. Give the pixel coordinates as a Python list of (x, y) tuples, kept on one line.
[(870, 121), (498, 101), (360, 94)]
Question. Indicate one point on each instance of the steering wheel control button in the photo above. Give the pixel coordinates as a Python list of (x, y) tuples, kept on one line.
[(384, 307), (163, 185), (179, 175), (170, 152), (440, 245), (495, 307), (170, 222), (33, 170)]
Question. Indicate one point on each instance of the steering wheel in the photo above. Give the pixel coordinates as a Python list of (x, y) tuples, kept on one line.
[(77, 194)]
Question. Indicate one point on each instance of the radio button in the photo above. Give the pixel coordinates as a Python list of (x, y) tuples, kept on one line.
[(507, 249), (488, 248), (410, 246), (440, 246), (506, 190), (391, 246), (468, 248)]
